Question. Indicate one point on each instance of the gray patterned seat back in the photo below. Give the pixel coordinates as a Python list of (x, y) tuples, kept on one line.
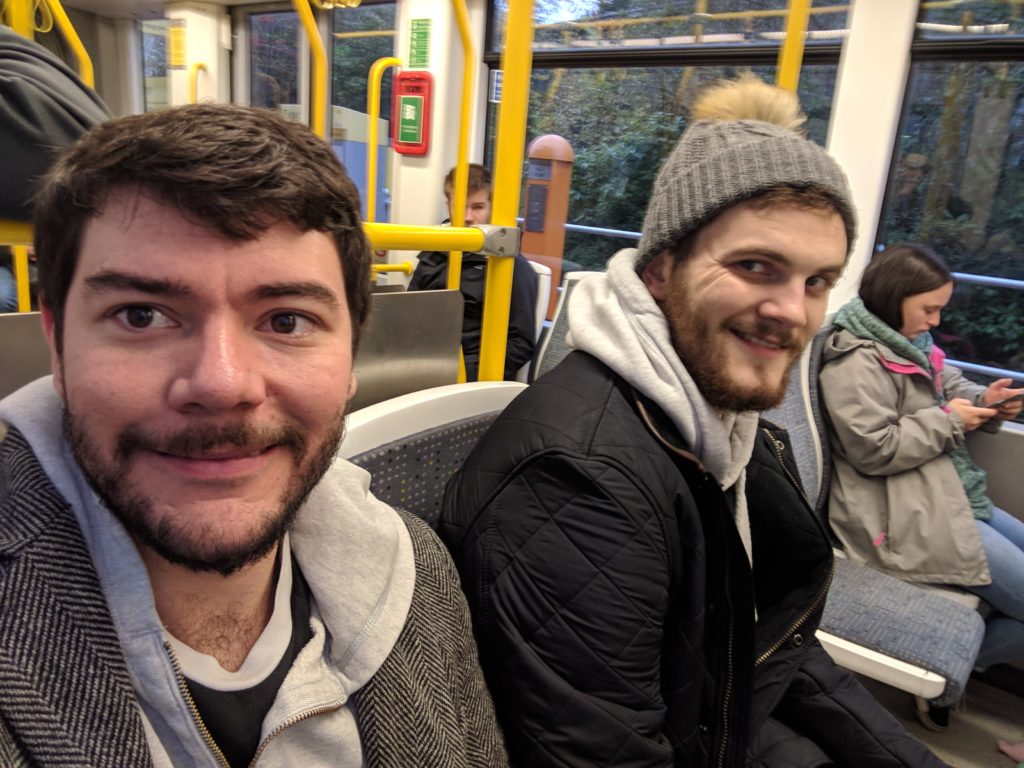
[(866, 607), (553, 347), (410, 473)]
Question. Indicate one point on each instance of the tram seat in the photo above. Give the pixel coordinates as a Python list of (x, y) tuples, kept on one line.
[(553, 348), (923, 641), (540, 314), (412, 444), (24, 355)]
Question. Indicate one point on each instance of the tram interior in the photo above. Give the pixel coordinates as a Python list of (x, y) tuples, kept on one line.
[(873, 111)]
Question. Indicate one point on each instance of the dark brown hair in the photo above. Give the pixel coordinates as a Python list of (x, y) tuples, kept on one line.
[(479, 178), (899, 271), (236, 170)]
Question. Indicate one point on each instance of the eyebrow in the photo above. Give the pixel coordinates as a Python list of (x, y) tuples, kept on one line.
[(110, 280), (303, 290)]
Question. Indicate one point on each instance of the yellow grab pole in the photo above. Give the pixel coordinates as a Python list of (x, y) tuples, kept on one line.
[(67, 29), (316, 46), (19, 16), (413, 237), (21, 277), (459, 191), (373, 110), (193, 81), (516, 62), (791, 54)]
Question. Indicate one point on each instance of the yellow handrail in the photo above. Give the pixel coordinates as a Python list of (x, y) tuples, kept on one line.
[(516, 61), (404, 267), (15, 232), (791, 54), (19, 16), (193, 80), (373, 110), (318, 109), (420, 238), (85, 70), (21, 277), (461, 180)]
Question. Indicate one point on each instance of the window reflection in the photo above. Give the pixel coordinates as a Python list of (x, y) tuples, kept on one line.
[(275, 61), (957, 184)]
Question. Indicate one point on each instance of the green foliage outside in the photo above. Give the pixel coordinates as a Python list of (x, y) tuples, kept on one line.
[(958, 185), (353, 56)]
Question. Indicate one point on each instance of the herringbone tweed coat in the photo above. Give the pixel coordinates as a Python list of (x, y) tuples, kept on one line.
[(65, 695)]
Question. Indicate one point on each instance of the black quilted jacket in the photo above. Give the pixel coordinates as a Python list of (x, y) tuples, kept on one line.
[(614, 605)]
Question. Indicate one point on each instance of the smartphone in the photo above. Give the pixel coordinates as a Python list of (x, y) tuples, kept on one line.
[(1010, 399)]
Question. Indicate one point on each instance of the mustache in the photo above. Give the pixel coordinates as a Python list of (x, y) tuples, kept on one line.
[(201, 439)]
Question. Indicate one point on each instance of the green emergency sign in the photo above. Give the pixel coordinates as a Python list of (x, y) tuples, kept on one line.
[(410, 119)]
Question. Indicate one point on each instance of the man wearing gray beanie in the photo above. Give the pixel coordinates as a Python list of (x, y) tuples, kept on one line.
[(645, 575)]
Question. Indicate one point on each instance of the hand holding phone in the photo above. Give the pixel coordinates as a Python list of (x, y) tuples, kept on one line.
[(1010, 399)]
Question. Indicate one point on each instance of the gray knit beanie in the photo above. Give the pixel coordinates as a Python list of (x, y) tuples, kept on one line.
[(736, 152)]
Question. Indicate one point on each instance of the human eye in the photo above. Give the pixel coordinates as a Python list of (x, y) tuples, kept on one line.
[(141, 316), (754, 267), (820, 283), (289, 324)]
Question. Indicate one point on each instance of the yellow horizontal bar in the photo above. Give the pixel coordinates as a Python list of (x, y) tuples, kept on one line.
[(411, 237), (369, 33), (404, 267), (15, 232)]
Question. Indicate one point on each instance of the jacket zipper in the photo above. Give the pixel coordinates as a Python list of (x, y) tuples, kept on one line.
[(823, 592), (321, 710), (727, 698), (191, 703), (205, 732)]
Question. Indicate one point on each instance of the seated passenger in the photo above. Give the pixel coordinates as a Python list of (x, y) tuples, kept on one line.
[(645, 575), (906, 498), (44, 106), (432, 274), (188, 574)]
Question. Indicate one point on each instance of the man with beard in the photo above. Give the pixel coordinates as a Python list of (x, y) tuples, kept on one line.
[(188, 576), (645, 575)]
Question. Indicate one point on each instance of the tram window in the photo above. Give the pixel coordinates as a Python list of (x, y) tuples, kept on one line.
[(274, 61), (593, 25), (154, 64), (622, 123), (361, 36), (957, 184)]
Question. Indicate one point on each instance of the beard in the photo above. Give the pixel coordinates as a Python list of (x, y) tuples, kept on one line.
[(195, 544), (707, 360)]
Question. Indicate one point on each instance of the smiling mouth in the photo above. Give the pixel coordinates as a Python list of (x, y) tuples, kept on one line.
[(761, 341), (225, 455)]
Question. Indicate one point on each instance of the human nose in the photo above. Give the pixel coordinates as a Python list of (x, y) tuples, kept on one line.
[(220, 372), (786, 305)]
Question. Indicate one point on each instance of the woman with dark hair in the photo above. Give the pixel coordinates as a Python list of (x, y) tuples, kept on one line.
[(906, 498)]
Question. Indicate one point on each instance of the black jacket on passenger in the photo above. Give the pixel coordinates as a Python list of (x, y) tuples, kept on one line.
[(614, 603), (44, 106), (431, 274)]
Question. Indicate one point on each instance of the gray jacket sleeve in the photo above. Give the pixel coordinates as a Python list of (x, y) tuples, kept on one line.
[(44, 106), (863, 406)]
